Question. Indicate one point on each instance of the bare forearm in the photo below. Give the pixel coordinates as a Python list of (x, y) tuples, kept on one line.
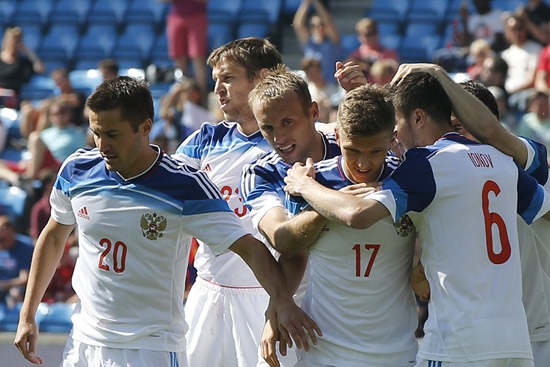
[(298, 233), (293, 268)]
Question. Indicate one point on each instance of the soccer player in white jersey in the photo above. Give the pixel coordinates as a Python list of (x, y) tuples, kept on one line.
[(535, 256), (226, 299), (282, 105), (462, 197), (358, 279), (135, 209)]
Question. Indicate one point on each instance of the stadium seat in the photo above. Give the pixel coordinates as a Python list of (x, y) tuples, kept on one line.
[(133, 46), (265, 10), (147, 11), (159, 52), (394, 10), (108, 11), (33, 12), (227, 9), (418, 29), (58, 318), (71, 11), (36, 94), (219, 33), (427, 10), (388, 27), (508, 5), (349, 42), (11, 318), (7, 9), (253, 28), (289, 8), (32, 35), (60, 38), (14, 200), (85, 78)]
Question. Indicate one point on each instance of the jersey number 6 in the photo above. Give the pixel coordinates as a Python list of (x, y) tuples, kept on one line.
[(494, 218)]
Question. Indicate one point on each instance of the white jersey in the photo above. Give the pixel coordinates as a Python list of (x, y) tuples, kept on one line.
[(463, 197), (358, 289), (134, 244), (221, 151)]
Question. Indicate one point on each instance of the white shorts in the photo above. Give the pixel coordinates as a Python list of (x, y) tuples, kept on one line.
[(225, 324), (541, 353), (77, 354), (502, 362)]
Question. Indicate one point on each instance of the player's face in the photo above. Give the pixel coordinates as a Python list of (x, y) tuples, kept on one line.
[(363, 156), (232, 88), (459, 128), (288, 128), (123, 150), (405, 135)]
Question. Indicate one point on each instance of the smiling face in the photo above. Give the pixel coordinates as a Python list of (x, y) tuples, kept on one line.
[(289, 129), (232, 85), (124, 150), (363, 157)]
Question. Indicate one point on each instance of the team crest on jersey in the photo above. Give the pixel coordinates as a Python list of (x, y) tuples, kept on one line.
[(152, 225), (404, 226)]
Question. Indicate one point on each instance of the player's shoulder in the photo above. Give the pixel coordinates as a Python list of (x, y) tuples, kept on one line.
[(268, 161), (84, 157)]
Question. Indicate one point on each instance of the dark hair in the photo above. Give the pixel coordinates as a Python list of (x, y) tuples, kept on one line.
[(366, 111), (422, 90), (251, 53), (481, 92), (500, 65), (132, 96), (109, 64)]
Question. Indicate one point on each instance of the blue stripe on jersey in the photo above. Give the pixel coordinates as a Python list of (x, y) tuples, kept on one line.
[(539, 168), (268, 172), (529, 209), (221, 137), (414, 175), (190, 190)]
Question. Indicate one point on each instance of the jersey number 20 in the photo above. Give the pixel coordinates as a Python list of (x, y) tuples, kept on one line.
[(118, 254)]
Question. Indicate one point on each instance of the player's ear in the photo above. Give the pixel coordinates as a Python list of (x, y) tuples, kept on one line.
[(263, 72), (314, 110), (146, 126), (419, 116)]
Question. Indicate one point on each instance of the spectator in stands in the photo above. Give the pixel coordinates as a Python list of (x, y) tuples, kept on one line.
[(522, 58), (494, 72), (507, 118), (15, 261), (182, 110), (542, 78), (18, 64), (108, 68), (187, 32), (486, 24), (322, 40), (383, 70), (40, 210), (536, 123), (321, 91), (536, 15), (47, 148), (36, 118), (60, 288), (480, 50), (370, 48)]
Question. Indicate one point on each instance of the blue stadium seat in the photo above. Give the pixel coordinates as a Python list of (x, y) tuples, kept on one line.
[(391, 40), (428, 10), (388, 27), (33, 11), (418, 29), (289, 7), (159, 52), (71, 11), (228, 9), (253, 28), (394, 10), (60, 38), (86, 79), (7, 9), (148, 11), (32, 35), (349, 42), (265, 10), (508, 5), (108, 11), (13, 199), (135, 43), (58, 318), (9, 317), (219, 33)]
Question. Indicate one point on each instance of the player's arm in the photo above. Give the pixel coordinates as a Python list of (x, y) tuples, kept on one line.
[(472, 113), (292, 321), (331, 204), (46, 256)]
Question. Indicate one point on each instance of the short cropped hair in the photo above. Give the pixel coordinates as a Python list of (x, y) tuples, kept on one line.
[(275, 86), (422, 90), (131, 95), (366, 111), (482, 93), (252, 53)]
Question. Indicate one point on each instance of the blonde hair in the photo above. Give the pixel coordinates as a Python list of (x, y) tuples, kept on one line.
[(12, 32)]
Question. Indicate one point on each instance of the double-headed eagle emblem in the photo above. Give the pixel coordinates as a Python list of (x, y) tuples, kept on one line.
[(152, 225)]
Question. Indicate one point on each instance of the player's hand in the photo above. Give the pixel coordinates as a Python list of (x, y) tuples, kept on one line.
[(406, 69), (25, 341), (349, 75), (268, 342), (298, 176), (419, 283), (295, 326), (361, 190)]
